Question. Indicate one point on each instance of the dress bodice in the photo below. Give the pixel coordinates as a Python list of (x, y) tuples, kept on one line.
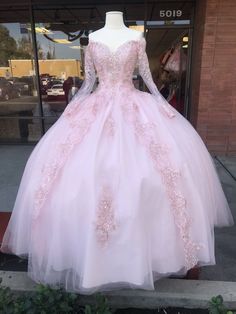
[(115, 70)]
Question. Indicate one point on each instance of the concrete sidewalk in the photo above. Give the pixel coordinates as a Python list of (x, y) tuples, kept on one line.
[(191, 294), (13, 160), (225, 238)]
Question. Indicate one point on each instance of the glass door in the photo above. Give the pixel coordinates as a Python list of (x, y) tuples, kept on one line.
[(169, 28), (169, 55)]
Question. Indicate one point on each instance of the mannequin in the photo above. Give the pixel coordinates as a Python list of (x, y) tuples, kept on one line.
[(115, 33)]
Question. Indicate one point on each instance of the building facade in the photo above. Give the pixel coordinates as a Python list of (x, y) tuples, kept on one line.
[(214, 77)]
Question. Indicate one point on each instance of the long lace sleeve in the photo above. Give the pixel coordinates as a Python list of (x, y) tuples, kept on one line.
[(144, 71), (87, 85)]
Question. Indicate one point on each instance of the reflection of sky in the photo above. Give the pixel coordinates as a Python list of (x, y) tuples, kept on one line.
[(62, 51)]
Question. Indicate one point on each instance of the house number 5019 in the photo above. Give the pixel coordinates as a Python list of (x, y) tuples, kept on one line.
[(170, 13)]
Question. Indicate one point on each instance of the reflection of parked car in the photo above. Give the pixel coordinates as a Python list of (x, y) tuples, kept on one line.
[(29, 81), (57, 81), (56, 92), (45, 81), (8, 90), (22, 86), (44, 88), (50, 83)]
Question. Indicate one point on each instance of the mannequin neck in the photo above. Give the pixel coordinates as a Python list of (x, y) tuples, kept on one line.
[(114, 20)]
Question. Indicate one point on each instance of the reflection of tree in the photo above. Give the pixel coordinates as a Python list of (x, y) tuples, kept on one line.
[(24, 48), (8, 46), (49, 55), (10, 49), (51, 51), (40, 51)]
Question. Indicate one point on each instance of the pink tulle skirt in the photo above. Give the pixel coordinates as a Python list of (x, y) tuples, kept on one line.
[(117, 195)]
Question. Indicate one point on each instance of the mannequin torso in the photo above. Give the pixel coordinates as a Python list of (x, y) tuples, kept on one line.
[(115, 33)]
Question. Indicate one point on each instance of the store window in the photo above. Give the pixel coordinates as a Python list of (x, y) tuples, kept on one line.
[(18, 94), (33, 94), (60, 71)]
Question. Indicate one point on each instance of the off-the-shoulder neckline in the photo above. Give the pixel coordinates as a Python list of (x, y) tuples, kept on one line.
[(92, 41)]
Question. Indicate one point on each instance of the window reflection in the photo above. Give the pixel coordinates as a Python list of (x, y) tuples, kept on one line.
[(61, 34), (59, 68), (18, 96)]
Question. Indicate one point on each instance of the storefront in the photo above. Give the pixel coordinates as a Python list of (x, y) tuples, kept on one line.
[(41, 61)]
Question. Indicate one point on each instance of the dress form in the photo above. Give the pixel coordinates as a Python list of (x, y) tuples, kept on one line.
[(115, 33)]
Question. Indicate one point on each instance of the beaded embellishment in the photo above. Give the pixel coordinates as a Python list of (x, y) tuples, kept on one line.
[(160, 155), (105, 221)]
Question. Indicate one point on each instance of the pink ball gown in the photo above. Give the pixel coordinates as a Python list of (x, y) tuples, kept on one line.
[(121, 190)]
